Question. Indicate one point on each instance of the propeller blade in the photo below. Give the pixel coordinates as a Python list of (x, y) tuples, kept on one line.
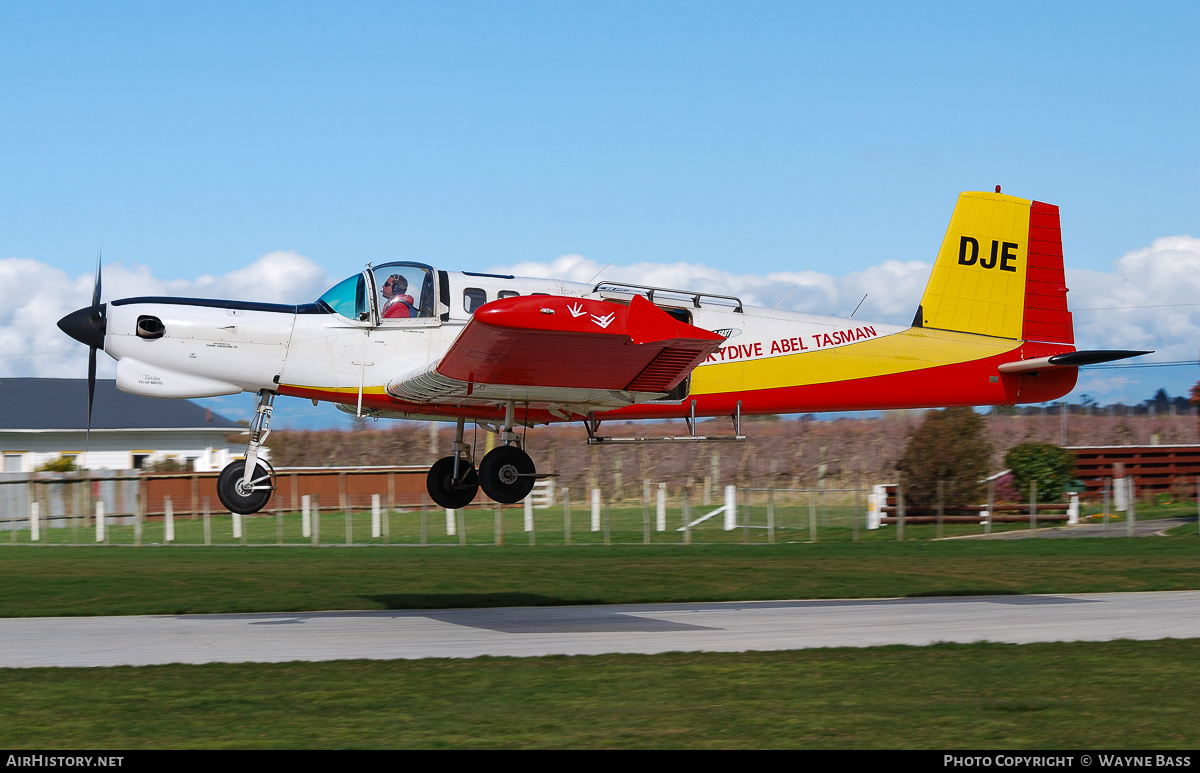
[(97, 317), (91, 395), (96, 286)]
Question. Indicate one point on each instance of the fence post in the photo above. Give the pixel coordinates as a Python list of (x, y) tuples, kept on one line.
[(900, 504), (450, 525), (991, 506), (771, 513), (812, 517), (595, 509), (1033, 506), (687, 516), (316, 520), (237, 525), (566, 496), (499, 527), (168, 519), (34, 521), (730, 508), (1107, 494), (207, 524), (941, 506), (876, 501), (1131, 513), (645, 511), (661, 505), (100, 534), (854, 513), (305, 516), (424, 521), (745, 517), (376, 530)]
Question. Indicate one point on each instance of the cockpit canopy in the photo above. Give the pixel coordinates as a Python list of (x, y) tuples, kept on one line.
[(385, 293)]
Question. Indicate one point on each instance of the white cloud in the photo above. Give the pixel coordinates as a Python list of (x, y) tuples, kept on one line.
[(34, 296), (1150, 300), (893, 288)]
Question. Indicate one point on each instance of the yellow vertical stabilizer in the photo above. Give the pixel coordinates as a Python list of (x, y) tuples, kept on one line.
[(979, 280)]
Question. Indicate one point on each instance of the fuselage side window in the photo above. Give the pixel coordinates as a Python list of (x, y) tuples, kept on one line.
[(473, 298), (508, 294)]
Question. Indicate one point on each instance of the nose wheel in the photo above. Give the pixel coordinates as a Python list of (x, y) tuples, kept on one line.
[(238, 496), (507, 474)]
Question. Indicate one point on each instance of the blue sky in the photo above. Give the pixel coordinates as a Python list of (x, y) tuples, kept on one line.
[(190, 139)]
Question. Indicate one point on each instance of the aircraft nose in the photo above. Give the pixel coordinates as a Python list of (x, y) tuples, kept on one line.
[(86, 325)]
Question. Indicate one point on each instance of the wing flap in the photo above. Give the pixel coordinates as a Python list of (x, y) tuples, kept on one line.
[(553, 341)]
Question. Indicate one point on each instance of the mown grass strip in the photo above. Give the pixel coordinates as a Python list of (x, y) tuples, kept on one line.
[(1107, 695), (49, 581)]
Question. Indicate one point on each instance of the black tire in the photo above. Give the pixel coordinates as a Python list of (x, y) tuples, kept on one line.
[(444, 491), (506, 474), (244, 503)]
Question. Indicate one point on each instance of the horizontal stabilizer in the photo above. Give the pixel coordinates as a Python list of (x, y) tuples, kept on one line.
[(1069, 360)]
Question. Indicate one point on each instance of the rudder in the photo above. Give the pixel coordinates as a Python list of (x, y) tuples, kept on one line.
[(1000, 272)]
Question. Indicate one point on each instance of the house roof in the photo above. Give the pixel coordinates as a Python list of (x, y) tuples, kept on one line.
[(61, 403)]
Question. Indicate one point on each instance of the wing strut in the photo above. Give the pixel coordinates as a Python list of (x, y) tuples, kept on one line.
[(593, 424)]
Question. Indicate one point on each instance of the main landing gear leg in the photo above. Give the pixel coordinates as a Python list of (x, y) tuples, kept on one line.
[(452, 481), (507, 473), (246, 485)]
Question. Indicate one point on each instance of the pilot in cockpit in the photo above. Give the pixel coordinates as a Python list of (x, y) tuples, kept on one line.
[(397, 304)]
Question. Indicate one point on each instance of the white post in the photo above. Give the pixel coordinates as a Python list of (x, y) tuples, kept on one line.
[(35, 531), (875, 501), (305, 516), (1120, 492), (529, 513), (661, 516), (730, 508), (595, 509), (376, 528), (1073, 510), (451, 530), (237, 525), (100, 520), (168, 521)]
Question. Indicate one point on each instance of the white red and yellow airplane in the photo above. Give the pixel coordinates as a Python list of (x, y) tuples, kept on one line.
[(405, 340)]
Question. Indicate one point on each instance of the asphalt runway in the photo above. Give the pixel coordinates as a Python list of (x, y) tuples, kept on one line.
[(592, 630)]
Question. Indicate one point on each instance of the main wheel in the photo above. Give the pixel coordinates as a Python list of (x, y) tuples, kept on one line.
[(506, 474), (242, 500), (445, 491)]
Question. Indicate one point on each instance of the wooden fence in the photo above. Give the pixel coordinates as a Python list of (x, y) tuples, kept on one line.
[(1170, 469)]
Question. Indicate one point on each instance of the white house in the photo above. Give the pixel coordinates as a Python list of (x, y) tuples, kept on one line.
[(44, 418)]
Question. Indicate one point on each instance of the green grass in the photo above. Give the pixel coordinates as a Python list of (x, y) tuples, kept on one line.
[(1065, 695), (1085, 695), (46, 581)]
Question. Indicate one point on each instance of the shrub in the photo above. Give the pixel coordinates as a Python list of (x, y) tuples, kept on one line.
[(949, 446), (61, 464), (1051, 466)]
